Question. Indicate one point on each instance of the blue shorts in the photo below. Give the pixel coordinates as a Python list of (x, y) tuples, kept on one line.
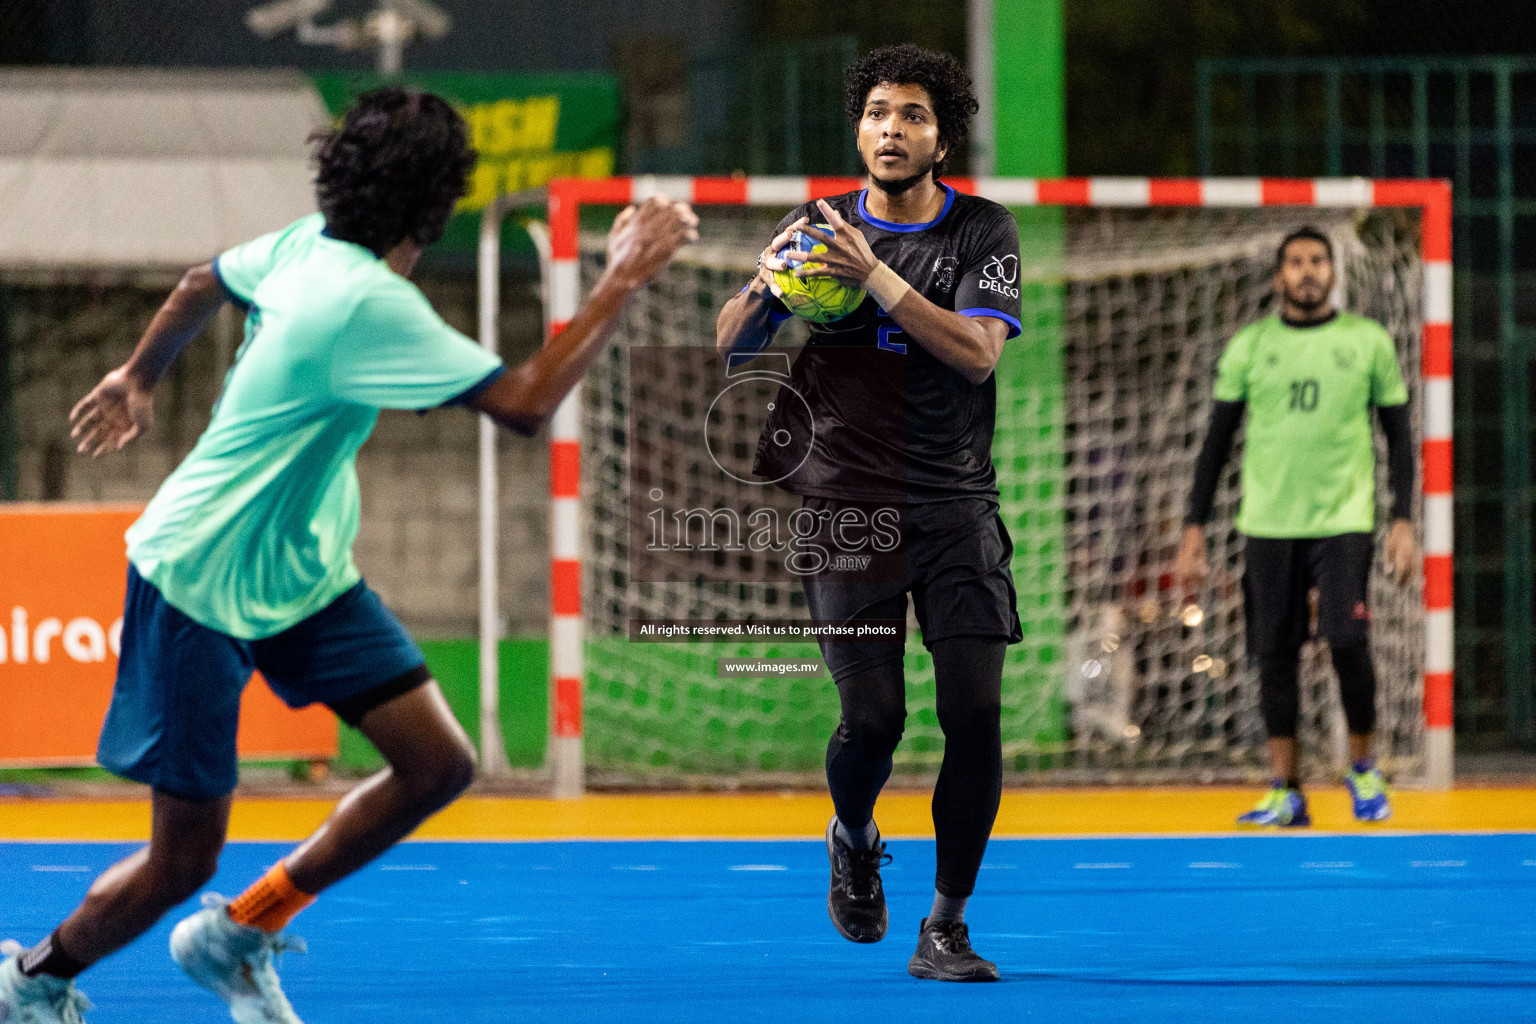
[(176, 706)]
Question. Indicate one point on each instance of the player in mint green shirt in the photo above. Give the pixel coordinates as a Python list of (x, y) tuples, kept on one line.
[(243, 559), (1309, 379)]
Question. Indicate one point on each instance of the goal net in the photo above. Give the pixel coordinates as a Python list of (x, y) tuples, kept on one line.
[(1102, 407)]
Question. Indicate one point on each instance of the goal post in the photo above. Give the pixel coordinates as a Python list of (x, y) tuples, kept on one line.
[(1167, 719)]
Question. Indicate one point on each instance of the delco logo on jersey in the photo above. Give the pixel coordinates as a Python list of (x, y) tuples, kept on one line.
[(1001, 275), (82, 639)]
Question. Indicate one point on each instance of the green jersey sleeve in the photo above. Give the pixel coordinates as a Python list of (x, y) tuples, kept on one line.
[(1387, 387), (397, 353), (1232, 368), (242, 268)]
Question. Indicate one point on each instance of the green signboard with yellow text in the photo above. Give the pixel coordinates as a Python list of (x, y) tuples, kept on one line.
[(528, 129)]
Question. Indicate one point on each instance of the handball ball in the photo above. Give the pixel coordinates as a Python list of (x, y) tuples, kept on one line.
[(818, 299)]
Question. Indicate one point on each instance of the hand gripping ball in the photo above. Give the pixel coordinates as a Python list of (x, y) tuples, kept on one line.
[(818, 299)]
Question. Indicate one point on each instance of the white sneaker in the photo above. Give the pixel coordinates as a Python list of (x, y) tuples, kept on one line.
[(40, 1000), (234, 962)]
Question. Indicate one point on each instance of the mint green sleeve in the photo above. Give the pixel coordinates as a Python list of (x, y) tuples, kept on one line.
[(1232, 368), (242, 268), (1387, 387), (396, 353)]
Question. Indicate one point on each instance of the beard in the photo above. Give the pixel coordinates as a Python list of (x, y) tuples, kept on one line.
[(1305, 303), (900, 185)]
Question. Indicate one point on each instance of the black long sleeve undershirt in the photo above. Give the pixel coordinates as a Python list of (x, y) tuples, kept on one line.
[(1225, 419), (1398, 429), (1227, 416)]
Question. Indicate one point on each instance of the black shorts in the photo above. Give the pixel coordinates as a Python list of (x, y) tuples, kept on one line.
[(955, 559), (1280, 573)]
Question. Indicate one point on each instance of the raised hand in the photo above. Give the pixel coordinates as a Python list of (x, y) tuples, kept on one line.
[(645, 237), (848, 257), (115, 412)]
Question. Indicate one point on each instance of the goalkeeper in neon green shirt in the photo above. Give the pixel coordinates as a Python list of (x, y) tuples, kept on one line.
[(1308, 379), (243, 559)]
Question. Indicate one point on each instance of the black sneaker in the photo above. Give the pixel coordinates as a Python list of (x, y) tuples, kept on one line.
[(944, 953), (856, 900)]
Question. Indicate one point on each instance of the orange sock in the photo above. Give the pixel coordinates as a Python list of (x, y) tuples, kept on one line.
[(271, 903)]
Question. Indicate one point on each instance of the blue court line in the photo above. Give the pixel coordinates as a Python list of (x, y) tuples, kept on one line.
[(1328, 928)]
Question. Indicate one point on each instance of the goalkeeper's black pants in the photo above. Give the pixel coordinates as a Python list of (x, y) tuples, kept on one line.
[(968, 674), (1280, 573)]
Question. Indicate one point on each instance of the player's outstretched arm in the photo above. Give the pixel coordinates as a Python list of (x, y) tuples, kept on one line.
[(121, 407), (745, 323), (643, 239), (969, 345)]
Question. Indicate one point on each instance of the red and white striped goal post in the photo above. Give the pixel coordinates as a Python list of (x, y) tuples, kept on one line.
[(1432, 197)]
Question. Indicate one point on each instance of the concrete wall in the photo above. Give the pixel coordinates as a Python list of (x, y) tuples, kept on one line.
[(418, 545)]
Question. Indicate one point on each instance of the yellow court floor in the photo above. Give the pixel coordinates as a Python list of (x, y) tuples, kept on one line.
[(1031, 812)]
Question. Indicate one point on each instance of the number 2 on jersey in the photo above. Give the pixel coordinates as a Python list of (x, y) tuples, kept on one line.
[(886, 330)]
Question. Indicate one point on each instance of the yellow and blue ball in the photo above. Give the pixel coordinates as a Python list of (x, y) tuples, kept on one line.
[(818, 299)]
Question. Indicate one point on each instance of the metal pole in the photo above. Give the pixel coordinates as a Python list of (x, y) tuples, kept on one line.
[(567, 656), (392, 29), (984, 130), (1288, 134), (1249, 129), (1331, 86), (1514, 374), (493, 751), (1420, 123), (792, 125), (1378, 127), (1470, 544), (1204, 137)]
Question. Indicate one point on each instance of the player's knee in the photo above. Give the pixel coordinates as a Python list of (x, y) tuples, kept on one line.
[(453, 772), (977, 723), (1279, 695), (183, 873), (432, 780), (877, 730)]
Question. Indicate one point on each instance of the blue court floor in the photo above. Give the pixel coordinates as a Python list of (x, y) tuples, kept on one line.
[(1346, 928)]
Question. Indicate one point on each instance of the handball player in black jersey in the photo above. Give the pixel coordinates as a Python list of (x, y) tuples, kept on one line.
[(902, 405)]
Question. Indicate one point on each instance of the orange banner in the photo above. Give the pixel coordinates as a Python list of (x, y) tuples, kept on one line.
[(63, 575)]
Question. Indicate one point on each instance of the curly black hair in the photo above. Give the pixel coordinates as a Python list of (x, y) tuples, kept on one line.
[(393, 169), (946, 81)]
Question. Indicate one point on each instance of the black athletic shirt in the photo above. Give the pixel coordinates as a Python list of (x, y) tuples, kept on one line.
[(891, 422)]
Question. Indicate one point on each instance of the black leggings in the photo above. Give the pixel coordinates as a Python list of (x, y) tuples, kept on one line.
[(968, 675), (1279, 696)]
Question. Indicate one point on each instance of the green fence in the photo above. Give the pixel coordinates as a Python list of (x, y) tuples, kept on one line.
[(775, 110), (1472, 120)]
